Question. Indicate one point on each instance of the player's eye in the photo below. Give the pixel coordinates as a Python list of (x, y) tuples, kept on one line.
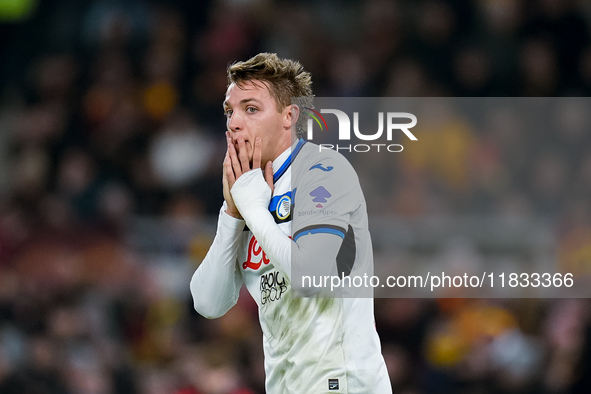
[(251, 110), (228, 113)]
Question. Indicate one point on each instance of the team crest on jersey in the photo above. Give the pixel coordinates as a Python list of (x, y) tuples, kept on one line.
[(283, 207), (280, 207)]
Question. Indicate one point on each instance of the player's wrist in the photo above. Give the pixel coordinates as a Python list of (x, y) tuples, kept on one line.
[(251, 191), (233, 213), (251, 195), (230, 222)]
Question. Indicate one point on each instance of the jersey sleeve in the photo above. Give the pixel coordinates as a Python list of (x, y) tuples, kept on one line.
[(216, 283), (326, 194)]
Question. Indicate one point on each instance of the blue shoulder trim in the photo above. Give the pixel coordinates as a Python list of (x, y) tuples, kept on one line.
[(320, 228)]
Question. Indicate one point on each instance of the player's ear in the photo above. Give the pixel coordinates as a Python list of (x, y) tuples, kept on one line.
[(291, 115)]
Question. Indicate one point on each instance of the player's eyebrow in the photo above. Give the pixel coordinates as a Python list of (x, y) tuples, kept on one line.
[(243, 101)]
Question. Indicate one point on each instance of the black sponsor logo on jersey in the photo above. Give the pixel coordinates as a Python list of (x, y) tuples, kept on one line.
[(333, 384), (273, 286)]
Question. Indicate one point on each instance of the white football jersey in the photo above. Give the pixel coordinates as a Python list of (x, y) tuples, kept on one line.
[(316, 345), (311, 344)]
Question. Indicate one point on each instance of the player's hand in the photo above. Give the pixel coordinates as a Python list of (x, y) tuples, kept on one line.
[(239, 163), (250, 189), (230, 206)]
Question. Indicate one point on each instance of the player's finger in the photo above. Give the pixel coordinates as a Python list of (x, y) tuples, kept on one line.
[(224, 166), (243, 155), (225, 175), (256, 155), (234, 162), (229, 176), (248, 150), (269, 174)]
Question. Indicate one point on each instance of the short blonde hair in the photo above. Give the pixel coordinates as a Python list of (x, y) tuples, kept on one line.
[(286, 80)]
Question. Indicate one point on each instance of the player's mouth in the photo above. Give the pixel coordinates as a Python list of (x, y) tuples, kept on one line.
[(249, 148), (237, 146)]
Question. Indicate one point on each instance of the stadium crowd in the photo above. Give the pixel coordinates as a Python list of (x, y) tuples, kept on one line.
[(110, 113)]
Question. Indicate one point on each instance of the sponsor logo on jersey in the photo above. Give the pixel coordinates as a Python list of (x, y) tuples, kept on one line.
[(323, 212), (321, 167), (273, 286), (333, 384), (253, 261), (321, 196)]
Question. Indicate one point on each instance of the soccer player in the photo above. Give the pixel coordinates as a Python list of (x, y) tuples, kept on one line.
[(289, 208)]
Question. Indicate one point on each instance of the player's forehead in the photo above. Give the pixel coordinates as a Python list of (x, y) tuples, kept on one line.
[(257, 90)]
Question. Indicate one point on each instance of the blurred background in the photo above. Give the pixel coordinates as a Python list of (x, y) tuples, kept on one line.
[(111, 144)]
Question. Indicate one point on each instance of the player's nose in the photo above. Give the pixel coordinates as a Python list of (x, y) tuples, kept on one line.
[(235, 123)]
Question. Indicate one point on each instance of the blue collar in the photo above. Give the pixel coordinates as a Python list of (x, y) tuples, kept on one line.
[(289, 160)]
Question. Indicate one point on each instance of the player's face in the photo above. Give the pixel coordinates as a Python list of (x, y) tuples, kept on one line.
[(252, 112)]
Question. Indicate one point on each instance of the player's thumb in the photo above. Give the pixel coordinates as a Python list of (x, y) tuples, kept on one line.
[(269, 174)]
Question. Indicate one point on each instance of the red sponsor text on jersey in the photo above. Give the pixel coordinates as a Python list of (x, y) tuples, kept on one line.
[(254, 250)]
